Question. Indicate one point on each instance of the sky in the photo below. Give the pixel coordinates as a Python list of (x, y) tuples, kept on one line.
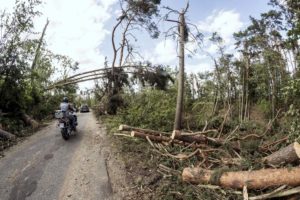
[(82, 30)]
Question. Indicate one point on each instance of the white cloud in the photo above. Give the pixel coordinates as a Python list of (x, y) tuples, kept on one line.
[(76, 28), (163, 53), (223, 22), (199, 67), (7, 5)]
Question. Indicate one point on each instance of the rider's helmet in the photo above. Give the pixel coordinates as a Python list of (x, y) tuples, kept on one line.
[(65, 99)]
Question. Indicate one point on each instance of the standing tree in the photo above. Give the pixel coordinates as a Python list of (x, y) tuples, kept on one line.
[(136, 14), (183, 33)]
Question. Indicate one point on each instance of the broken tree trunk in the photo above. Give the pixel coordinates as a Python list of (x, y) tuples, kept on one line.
[(148, 131), (289, 154), (252, 179), (6, 135)]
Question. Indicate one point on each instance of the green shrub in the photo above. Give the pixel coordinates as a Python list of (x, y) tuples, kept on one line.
[(265, 107), (153, 109)]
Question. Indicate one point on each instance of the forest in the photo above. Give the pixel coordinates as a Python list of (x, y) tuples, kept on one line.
[(202, 133)]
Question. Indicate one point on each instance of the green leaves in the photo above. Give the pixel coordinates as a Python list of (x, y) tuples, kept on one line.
[(154, 109)]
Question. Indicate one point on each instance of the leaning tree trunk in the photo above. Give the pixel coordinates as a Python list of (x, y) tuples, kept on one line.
[(37, 52), (252, 179), (179, 104)]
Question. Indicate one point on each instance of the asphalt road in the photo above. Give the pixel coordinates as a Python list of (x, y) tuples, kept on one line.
[(45, 166)]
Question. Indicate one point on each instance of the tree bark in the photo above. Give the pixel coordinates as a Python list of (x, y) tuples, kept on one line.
[(252, 179), (179, 104), (289, 154), (6, 135)]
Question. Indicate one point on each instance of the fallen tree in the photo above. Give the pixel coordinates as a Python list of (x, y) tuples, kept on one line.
[(30, 122), (257, 179), (6, 135), (289, 154)]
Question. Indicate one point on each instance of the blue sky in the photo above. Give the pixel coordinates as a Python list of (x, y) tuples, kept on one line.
[(82, 29)]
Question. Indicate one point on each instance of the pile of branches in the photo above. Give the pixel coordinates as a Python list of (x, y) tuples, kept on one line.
[(225, 163)]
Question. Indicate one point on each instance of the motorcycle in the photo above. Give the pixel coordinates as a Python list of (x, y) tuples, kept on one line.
[(64, 123)]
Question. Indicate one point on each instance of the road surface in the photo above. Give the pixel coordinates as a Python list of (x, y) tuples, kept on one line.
[(47, 167)]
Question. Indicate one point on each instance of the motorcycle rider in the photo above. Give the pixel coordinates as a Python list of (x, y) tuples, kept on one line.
[(66, 108)]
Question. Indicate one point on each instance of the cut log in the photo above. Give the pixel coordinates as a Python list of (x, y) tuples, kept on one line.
[(6, 135), (148, 131), (289, 154), (29, 121), (252, 179)]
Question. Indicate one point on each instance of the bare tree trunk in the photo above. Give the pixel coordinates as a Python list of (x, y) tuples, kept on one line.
[(217, 88), (246, 111), (242, 99), (179, 104), (115, 50), (124, 42)]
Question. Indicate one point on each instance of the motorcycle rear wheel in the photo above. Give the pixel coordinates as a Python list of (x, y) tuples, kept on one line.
[(64, 134)]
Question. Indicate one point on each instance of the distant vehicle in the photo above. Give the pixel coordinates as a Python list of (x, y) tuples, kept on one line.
[(84, 108)]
